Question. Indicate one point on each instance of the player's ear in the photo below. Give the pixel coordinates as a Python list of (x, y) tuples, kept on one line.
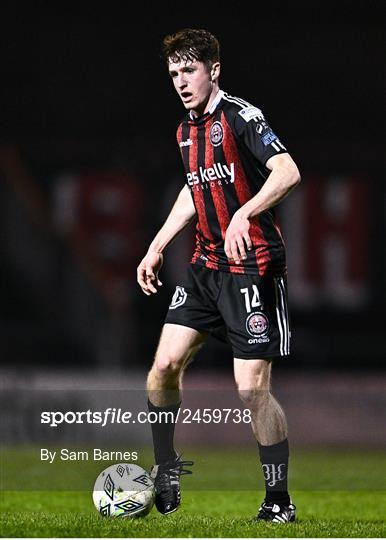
[(215, 71)]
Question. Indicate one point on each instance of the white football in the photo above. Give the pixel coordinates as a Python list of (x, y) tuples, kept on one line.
[(123, 490)]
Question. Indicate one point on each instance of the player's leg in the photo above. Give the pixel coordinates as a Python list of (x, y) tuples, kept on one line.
[(176, 348), (192, 314), (256, 315), (269, 425), (253, 379)]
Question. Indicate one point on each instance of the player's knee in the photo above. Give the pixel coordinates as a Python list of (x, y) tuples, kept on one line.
[(254, 398), (167, 365)]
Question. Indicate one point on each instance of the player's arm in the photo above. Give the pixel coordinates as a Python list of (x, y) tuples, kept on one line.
[(179, 217), (283, 178)]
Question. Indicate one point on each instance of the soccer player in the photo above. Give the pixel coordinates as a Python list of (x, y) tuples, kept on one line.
[(237, 170)]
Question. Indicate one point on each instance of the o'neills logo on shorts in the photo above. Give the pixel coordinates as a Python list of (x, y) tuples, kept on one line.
[(217, 174)]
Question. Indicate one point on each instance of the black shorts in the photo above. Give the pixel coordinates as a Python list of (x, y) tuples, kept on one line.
[(248, 311)]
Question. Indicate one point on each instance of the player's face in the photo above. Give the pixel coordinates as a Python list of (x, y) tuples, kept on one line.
[(193, 82)]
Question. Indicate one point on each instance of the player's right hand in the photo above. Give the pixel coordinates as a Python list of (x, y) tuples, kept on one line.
[(147, 272)]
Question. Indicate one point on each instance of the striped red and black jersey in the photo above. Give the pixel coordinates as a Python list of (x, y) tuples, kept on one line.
[(224, 154)]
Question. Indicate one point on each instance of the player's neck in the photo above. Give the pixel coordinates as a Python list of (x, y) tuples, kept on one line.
[(206, 108)]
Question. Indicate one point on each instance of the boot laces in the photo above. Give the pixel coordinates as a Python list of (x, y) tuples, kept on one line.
[(169, 473)]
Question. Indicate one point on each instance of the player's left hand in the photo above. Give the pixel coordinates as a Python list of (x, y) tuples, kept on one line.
[(237, 238)]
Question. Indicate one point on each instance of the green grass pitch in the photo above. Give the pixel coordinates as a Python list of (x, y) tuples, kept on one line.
[(338, 494)]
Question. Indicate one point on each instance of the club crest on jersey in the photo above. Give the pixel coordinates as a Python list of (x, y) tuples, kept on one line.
[(257, 326), (216, 133), (179, 298)]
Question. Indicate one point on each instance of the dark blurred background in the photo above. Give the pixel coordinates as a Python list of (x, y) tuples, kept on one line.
[(89, 169)]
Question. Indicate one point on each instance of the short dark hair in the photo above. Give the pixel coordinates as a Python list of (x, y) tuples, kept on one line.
[(191, 44)]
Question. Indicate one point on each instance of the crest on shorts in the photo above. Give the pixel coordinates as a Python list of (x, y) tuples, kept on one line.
[(216, 133), (179, 298), (257, 324)]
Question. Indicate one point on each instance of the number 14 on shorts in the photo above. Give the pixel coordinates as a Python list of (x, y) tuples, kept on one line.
[(253, 302)]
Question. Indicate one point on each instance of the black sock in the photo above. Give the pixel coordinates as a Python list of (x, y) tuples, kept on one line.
[(163, 432), (274, 460)]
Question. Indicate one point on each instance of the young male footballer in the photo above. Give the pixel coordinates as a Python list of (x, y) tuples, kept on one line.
[(237, 171)]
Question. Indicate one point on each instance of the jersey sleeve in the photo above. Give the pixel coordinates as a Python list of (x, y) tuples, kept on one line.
[(252, 128)]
